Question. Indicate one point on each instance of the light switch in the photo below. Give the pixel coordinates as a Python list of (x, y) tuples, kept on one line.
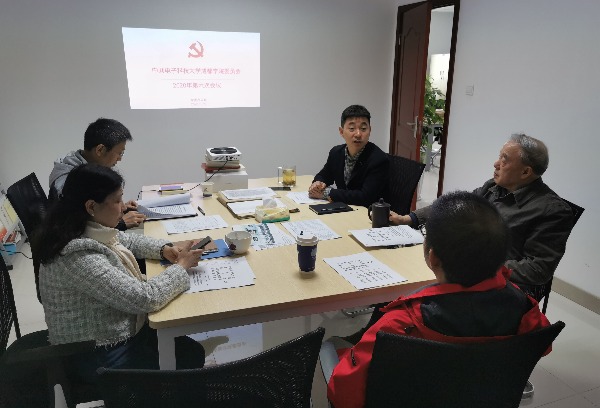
[(470, 90)]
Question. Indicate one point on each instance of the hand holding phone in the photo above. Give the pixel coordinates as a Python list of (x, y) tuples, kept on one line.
[(202, 243)]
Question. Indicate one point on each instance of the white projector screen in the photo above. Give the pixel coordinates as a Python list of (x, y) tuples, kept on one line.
[(173, 69)]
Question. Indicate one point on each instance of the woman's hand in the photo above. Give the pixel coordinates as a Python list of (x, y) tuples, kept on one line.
[(188, 257)]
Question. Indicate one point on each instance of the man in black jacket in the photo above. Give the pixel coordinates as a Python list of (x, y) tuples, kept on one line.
[(355, 172)]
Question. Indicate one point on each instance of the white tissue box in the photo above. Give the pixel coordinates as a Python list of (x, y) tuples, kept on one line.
[(272, 214)]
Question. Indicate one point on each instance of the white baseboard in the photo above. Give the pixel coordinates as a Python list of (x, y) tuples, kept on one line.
[(576, 294)]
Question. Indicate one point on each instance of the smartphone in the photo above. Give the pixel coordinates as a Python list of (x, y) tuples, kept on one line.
[(280, 188), (202, 243)]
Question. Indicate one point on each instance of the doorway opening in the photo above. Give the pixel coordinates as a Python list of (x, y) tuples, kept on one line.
[(424, 65)]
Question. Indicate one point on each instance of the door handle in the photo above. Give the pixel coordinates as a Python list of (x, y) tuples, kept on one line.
[(414, 126)]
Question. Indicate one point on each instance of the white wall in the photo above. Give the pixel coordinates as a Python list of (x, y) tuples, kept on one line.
[(62, 67), (534, 65)]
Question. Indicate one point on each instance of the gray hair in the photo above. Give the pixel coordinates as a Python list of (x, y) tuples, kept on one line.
[(534, 152)]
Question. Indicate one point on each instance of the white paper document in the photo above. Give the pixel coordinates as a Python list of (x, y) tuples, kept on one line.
[(167, 211), (248, 193), (402, 235), (363, 271), (301, 197), (310, 227), (162, 201), (174, 206), (194, 224), (220, 274), (265, 236), (240, 208)]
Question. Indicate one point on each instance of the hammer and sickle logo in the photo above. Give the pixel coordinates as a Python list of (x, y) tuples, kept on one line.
[(198, 52)]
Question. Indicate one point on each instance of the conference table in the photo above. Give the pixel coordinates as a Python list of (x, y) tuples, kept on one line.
[(279, 290)]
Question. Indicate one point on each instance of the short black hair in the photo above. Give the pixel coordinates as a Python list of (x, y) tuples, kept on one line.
[(468, 235), (107, 132), (355, 111)]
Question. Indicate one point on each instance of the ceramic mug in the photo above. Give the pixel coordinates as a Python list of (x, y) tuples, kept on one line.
[(238, 241)]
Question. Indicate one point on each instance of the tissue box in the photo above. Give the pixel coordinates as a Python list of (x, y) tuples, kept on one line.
[(272, 214)]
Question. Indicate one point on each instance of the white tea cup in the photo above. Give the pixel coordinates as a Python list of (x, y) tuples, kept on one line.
[(238, 241)]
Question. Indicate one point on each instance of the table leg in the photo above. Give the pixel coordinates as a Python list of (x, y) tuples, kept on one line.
[(166, 349)]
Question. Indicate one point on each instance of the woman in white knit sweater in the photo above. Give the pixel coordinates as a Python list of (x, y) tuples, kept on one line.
[(90, 282)]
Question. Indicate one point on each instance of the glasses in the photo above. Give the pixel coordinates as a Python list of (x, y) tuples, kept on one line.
[(423, 229)]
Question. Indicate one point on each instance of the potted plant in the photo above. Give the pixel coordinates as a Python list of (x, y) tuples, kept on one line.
[(433, 100)]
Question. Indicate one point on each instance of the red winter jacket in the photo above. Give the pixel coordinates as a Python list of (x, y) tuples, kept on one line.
[(433, 313)]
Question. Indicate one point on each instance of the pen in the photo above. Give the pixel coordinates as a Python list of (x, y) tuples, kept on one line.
[(201, 210)]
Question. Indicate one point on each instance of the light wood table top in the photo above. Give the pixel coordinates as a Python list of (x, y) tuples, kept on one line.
[(280, 290)]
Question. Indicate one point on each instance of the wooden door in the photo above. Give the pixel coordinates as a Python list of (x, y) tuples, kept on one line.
[(410, 64)]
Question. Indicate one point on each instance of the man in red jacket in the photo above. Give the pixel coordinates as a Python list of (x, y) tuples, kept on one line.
[(472, 301)]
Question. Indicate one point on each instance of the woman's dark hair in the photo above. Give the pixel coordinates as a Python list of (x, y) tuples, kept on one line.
[(67, 218), (468, 235)]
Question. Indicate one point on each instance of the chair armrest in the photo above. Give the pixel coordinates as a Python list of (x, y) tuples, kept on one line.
[(328, 358)]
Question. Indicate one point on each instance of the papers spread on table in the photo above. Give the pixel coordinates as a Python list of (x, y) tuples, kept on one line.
[(243, 208), (363, 271), (220, 274), (194, 224), (301, 197), (245, 194), (310, 227), (174, 206), (265, 236), (402, 235)]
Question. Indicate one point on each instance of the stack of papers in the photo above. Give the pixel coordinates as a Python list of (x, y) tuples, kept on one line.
[(194, 224), (402, 235), (174, 206), (245, 194)]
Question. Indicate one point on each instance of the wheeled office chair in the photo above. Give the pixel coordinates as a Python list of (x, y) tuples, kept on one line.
[(404, 176), (411, 372), (31, 205), (30, 367), (280, 377), (540, 292)]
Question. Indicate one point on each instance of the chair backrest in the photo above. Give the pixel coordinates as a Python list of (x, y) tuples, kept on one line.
[(278, 377), (577, 210), (29, 201), (31, 205), (404, 177), (413, 372), (8, 310), (544, 290)]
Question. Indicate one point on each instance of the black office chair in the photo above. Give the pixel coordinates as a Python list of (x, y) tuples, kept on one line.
[(279, 377), (411, 372), (539, 292), (30, 366), (31, 205), (404, 176)]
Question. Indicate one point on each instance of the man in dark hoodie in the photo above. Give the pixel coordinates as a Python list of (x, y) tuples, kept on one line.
[(104, 143)]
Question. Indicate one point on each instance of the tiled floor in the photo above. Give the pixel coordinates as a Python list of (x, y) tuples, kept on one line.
[(568, 378)]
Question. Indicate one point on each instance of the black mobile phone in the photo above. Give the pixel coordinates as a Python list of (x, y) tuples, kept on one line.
[(202, 243), (280, 188)]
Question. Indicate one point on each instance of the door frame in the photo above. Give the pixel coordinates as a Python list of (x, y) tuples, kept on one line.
[(397, 58)]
